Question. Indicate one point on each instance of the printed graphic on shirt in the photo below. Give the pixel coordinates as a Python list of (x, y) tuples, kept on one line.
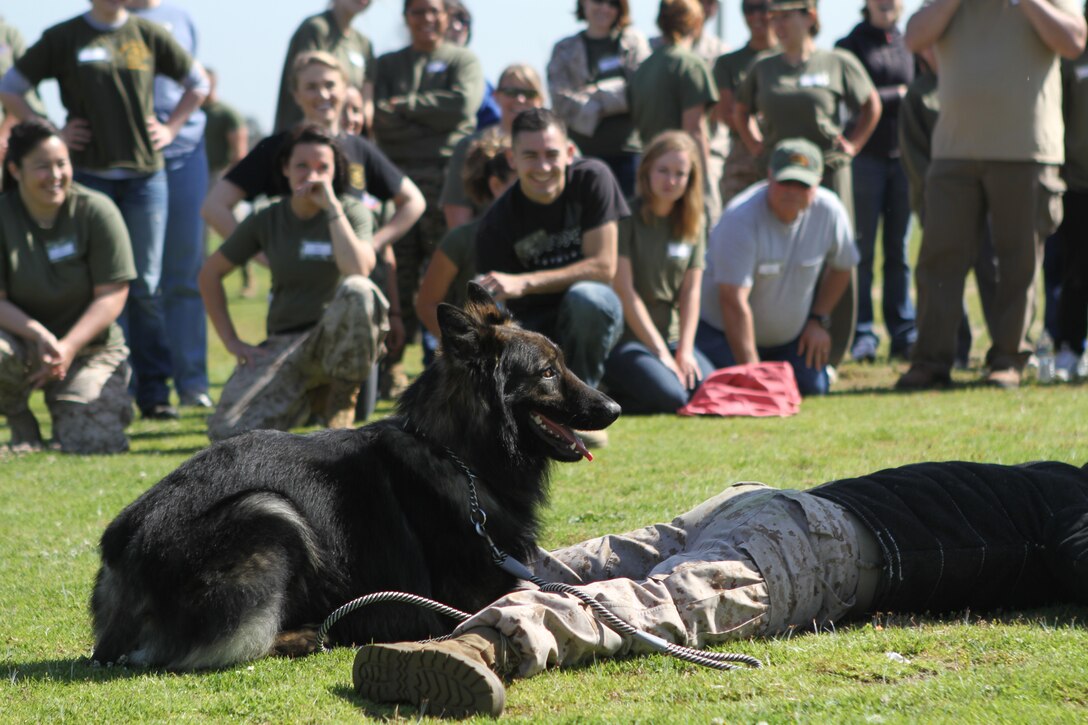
[(541, 250), (136, 55), (357, 177)]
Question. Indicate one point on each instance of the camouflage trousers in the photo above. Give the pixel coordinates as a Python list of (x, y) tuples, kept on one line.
[(274, 391), (751, 561), (413, 250), (90, 408)]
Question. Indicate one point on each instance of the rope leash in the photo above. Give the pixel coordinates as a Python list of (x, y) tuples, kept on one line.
[(478, 517)]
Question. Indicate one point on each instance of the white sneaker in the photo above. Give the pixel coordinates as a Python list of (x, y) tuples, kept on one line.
[(1065, 364)]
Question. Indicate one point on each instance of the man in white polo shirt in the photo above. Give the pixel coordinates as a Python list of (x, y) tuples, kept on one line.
[(777, 262)]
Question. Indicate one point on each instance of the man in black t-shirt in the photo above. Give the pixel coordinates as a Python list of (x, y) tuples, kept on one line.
[(548, 245)]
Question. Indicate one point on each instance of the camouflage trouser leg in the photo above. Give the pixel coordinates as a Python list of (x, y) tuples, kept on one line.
[(15, 368), (413, 250), (344, 345), (750, 561), (91, 407)]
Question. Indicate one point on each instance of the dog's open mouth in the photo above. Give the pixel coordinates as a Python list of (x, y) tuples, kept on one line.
[(568, 446)]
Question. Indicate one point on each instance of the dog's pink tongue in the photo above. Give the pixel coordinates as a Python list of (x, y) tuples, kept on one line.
[(569, 435)]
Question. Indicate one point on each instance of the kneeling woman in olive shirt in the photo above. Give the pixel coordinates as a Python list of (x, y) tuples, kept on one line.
[(65, 266), (326, 320)]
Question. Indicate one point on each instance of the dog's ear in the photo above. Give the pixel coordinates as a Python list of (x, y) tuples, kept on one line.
[(460, 332), (481, 306)]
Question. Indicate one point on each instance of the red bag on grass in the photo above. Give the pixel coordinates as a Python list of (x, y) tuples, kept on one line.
[(756, 390)]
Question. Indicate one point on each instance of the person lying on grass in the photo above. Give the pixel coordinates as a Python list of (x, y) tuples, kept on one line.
[(758, 561)]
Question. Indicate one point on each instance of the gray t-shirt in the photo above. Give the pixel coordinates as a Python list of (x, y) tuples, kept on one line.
[(781, 263)]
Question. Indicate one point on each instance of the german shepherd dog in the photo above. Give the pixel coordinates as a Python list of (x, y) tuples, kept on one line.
[(248, 546)]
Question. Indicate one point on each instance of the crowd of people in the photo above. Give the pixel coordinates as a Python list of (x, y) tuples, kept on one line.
[(660, 207)]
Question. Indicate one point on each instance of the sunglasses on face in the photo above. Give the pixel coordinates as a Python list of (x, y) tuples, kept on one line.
[(514, 92), (754, 9), (613, 3)]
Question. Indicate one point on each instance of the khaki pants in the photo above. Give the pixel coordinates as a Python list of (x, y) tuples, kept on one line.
[(751, 561), (90, 408), (1023, 201), (741, 171), (273, 392)]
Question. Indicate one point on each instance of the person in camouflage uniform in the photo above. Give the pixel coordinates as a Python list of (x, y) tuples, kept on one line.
[(65, 265), (326, 321)]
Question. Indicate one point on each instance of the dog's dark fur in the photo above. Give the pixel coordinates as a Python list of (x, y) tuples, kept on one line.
[(250, 544)]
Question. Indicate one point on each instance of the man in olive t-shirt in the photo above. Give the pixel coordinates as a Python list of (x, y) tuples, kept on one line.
[(997, 148)]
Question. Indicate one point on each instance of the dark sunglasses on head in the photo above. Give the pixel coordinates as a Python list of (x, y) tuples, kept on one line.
[(514, 92), (754, 8)]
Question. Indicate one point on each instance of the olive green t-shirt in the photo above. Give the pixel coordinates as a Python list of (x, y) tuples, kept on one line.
[(730, 71), (441, 92), (351, 48), (659, 262), (1075, 87), (108, 78), (615, 133), (668, 83), (50, 274), (300, 257), (453, 186), (804, 100), (459, 245), (222, 120)]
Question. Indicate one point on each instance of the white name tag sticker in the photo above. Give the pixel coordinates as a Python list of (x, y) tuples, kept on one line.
[(94, 54), (437, 66), (1082, 72), (60, 251), (769, 268), (357, 59), (679, 250), (611, 63), (315, 251), (814, 80)]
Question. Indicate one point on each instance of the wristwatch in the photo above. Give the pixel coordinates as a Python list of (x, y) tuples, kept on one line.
[(823, 321)]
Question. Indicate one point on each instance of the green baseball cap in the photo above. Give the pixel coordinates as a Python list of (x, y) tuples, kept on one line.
[(783, 5), (795, 159)]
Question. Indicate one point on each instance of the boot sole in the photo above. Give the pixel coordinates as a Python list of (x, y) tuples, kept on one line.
[(438, 683)]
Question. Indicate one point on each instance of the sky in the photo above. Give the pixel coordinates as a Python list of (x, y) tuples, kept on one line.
[(245, 40)]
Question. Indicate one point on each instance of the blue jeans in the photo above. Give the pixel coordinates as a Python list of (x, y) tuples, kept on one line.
[(142, 201), (810, 381), (586, 325), (880, 191), (183, 255), (641, 383)]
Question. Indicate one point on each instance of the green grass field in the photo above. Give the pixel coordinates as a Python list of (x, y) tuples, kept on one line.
[(976, 667)]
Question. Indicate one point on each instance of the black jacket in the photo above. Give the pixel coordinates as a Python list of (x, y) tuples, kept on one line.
[(890, 65)]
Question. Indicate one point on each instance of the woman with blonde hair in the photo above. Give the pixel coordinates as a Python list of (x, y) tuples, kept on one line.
[(520, 89), (655, 367), (588, 77)]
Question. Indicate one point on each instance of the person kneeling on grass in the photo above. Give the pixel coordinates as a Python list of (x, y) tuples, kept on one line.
[(326, 320), (758, 561), (65, 266)]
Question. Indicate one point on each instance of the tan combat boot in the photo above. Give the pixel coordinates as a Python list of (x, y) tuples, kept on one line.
[(453, 677)]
